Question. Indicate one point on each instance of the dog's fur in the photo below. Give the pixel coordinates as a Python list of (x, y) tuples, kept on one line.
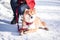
[(32, 22)]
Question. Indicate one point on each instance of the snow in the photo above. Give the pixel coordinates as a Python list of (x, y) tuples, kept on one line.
[(47, 10)]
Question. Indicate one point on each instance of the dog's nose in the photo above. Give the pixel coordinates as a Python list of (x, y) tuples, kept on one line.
[(31, 17)]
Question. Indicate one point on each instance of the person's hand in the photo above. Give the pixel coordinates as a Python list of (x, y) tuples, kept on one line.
[(21, 2)]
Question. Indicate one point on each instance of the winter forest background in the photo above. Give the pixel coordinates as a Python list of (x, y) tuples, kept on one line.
[(47, 10)]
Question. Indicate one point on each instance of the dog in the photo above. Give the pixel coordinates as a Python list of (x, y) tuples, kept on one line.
[(31, 22)]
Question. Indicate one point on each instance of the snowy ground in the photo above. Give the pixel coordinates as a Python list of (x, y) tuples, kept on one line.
[(47, 10)]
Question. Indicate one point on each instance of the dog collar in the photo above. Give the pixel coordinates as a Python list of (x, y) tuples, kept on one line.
[(27, 23)]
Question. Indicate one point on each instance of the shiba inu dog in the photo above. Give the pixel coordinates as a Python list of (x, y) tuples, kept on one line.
[(31, 22)]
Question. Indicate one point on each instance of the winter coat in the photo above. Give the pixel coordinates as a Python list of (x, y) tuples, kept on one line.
[(30, 3)]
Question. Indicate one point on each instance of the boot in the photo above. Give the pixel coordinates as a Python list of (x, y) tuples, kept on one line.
[(13, 20)]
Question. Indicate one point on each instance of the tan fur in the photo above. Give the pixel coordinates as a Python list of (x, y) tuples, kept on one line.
[(37, 21)]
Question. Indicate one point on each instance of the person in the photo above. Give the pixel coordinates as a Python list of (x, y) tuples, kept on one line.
[(21, 5)]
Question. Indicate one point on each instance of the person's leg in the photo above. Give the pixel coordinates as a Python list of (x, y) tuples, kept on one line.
[(13, 6), (22, 8)]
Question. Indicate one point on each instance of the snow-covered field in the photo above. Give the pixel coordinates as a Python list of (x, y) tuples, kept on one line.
[(47, 10)]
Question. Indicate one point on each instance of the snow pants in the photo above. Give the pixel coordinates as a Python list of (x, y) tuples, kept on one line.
[(14, 5)]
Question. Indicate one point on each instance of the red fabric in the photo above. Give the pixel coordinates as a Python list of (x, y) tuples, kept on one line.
[(23, 29), (28, 23), (16, 15), (30, 3)]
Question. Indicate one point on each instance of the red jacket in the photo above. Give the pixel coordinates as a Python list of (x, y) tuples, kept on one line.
[(30, 3)]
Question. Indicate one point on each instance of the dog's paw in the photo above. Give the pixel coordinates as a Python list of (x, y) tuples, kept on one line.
[(43, 28)]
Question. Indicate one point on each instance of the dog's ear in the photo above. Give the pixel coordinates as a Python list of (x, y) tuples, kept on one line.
[(32, 11), (26, 11)]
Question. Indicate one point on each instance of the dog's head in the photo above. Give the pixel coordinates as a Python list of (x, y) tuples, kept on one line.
[(29, 15)]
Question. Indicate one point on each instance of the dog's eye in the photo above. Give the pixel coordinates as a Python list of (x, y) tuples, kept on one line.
[(31, 17)]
